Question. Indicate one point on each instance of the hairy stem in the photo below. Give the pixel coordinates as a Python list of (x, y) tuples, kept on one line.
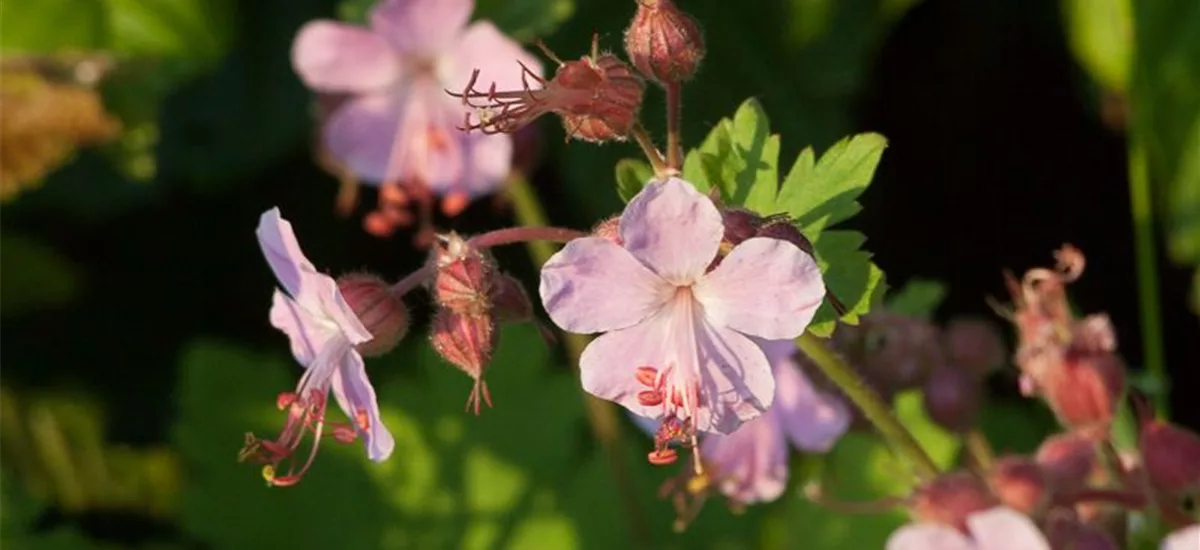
[(979, 449), (674, 121), (1142, 212), (525, 234), (651, 151), (601, 415), (876, 411)]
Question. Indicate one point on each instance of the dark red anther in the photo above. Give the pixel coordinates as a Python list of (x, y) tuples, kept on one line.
[(662, 457), (285, 400), (647, 376), (650, 398), (345, 434)]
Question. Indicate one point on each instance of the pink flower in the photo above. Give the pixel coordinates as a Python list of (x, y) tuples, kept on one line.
[(751, 464), (400, 124), (323, 331), (999, 528), (677, 344), (1187, 538)]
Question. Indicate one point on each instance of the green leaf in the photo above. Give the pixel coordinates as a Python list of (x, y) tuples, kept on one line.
[(1100, 33), (706, 166), (33, 276), (756, 151), (823, 194), (941, 445), (524, 20), (632, 175), (53, 26), (918, 298), (849, 275)]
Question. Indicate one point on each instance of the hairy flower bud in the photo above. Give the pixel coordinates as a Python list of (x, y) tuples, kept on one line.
[(974, 345), (511, 302), (378, 309), (1067, 460), (609, 229), (1019, 483), (740, 224), (782, 228), (464, 278), (663, 42), (952, 397), (896, 351), (950, 498), (1171, 457), (598, 97), (466, 341)]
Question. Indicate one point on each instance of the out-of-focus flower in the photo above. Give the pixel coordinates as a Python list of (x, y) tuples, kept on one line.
[(323, 331), (676, 346), (999, 528), (399, 125), (1187, 538)]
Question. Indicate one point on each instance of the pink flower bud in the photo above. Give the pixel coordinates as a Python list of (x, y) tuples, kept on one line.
[(380, 311), (1020, 484), (466, 341), (1084, 389), (1065, 530), (950, 498), (510, 300), (952, 398), (1171, 457), (609, 229), (1067, 459), (974, 345), (663, 42), (463, 283)]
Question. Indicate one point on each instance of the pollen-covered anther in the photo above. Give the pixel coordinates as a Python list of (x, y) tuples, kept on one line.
[(650, 398), (598, 97), (663, 457)]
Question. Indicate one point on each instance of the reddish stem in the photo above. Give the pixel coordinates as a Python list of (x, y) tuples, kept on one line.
[(674, 121), (514, 235)]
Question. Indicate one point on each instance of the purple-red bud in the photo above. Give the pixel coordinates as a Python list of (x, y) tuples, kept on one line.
[(379, 310), (740, 224), (952, 398), (1171, 457), (1084, 389), (1068, 460), (612, 111), (463, 282), (1065, 531), (783, 229), (511, 302), (663, 42), (897, 351), (950, 498), (974, 345), (1020, 484)]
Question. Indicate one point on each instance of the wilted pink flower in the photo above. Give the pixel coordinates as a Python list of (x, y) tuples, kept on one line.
[(323, 331), (1187, 538), (751, 464), (998, 528), (676, 346), (400, 124)]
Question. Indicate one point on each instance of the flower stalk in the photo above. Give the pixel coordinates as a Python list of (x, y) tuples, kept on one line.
[(674, 121)]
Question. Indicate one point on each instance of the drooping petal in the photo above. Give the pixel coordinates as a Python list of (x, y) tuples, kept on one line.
[(356, 396), (928, 536), (421, 27), (306, 336), (488, 162), (282, 250), (367, 135), (765, 287), (497, 57), (812, 419), (1187, 538), (672, 229), (336, 57), (1002, 528), (594, 285), (750, 464), (736, 380)]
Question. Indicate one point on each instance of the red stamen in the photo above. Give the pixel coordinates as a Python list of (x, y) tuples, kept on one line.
[(647, 376), (662, 457), (650, 398)]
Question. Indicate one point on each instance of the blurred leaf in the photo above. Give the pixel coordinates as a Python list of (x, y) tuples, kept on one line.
[(455, 480), (632, 176), (53, 25), (849, 274), (1100, 33), (524, 20), (918, 298), (33, 276), (1165, 99), (1016, 426), (941, 445)]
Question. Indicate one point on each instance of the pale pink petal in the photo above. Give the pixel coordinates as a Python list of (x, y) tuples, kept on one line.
[(497, 57), (750, 464), (765, 287), (736, 380), (928, 536), (813, 420), (335, 57), (673, 229), (366, 135), (282, 250), (435, 150), (608, 364), (489, 161), (1187, 538), (593, 285), (1002, 528), (421, 27), (354, 394), (306, 336)]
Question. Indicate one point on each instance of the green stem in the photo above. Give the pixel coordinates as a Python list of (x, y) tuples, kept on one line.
[(876, 411), (1142, 211), (601, 415)]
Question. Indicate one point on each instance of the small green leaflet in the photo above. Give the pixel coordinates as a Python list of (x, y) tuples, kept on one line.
[(740, 158), (918, 298)]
